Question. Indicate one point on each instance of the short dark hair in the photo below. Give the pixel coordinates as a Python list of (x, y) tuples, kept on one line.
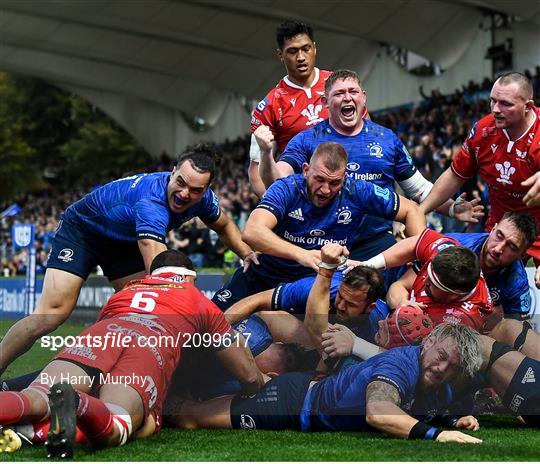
[(525, 223), (340, 74), (202, 157), (457, 267), (288, 29), (360, 277), (523, 82), (171, 258), (333, 155)]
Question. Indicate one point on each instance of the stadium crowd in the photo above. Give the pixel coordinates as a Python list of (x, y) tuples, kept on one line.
[(354, 330), (432, 129)]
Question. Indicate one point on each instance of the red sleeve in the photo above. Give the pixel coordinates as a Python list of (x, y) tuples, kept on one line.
[(263, 114), (464, 164), (430, 243), (215, 320)]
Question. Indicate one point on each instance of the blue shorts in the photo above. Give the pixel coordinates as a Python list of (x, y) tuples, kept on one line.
[(523, 394), (363, 250), (276, 407), (241, 285), (77, 251)]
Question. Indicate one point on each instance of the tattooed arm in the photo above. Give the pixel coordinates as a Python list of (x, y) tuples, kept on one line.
[(383, 410), (384, 414)]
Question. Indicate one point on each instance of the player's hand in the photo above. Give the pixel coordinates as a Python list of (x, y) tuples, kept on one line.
[(310, 258), (337, 341), (251, 257), (265, 138), (351, 264), (467, 422), (532, 198), (536, 279), (468, 211), (332, 252), (453, 436)]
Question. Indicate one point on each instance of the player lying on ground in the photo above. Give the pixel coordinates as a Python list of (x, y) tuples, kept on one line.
[(132, 375), (513, 374), (369, 396)]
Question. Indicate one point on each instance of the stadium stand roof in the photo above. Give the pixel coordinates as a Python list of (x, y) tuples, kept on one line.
[(190, 55)]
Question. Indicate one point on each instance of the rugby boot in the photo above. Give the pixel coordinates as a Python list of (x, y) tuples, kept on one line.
[(63, 402)]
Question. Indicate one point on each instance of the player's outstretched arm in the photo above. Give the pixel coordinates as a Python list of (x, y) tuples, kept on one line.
[(231, 236), (261, 301), (383, 413), (339, 341), (402, 252), (149, 250), (318, 302), (443, 189), (259, 234), (399, 291), (237, 358)]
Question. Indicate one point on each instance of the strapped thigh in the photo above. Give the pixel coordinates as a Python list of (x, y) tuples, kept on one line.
[(520, 339), (497, 350)]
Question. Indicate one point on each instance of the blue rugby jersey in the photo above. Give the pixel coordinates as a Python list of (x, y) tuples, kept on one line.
[(509, 287), (300, 222), (136, 207), (376, 155), (293, 296), (339, 401)]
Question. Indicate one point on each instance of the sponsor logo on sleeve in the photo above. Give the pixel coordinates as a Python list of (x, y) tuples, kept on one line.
[(381, 192), (262, 105)]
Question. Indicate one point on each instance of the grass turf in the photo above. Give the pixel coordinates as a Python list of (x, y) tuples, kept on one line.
[(504, 439)]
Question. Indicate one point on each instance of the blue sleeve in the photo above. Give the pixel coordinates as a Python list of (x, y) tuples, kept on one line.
[(297, 152), (208, 208), (151, 220), (377, 201), (293, 296), (379, 312), (404, 166), (517, 296), (398, 370), (276, 199)]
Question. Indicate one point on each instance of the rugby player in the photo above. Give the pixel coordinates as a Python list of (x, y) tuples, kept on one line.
[(301, 213), (295, 103), (513, 373), (121, 227), (500, 253), (407, 325), (132, 376), (449, 286), (368, 396), (376, 155), (504, 148)]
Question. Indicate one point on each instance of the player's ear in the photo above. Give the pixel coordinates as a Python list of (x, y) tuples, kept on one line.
[(324, 100), (279, 55), (305, 168)]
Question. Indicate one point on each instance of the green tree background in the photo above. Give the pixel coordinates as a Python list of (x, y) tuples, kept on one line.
[(51, 137)]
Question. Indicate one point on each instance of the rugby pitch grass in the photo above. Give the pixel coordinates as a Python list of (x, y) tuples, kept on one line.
[(504, 439)]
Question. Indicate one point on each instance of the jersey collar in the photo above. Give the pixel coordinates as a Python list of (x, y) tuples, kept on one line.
[(295, 86)]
